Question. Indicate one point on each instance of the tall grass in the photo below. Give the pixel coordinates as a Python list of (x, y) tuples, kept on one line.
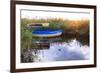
[(79, 26)]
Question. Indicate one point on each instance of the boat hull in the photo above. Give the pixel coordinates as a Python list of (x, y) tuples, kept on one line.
[(46, 33)]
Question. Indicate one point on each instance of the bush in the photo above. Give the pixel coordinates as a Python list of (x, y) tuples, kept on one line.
[(26, 36)]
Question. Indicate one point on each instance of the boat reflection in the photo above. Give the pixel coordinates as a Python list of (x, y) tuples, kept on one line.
[(63, 51)]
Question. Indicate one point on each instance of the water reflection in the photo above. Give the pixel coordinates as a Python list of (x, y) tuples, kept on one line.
[(61, 51)]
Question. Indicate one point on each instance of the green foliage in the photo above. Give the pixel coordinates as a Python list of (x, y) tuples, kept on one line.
[(54, 25), (26, 35)]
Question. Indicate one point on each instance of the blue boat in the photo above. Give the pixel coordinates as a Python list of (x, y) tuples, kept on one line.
[(46, 32)]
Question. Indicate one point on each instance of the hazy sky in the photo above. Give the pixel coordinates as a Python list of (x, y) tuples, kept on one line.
[(51, 14)]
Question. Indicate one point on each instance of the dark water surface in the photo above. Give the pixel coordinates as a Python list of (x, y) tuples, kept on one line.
[(58, 49), (71, 49)]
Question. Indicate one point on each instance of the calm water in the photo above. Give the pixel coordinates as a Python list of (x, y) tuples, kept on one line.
[(61, 51)]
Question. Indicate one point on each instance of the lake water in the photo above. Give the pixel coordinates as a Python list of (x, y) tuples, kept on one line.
[(63, 51)]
